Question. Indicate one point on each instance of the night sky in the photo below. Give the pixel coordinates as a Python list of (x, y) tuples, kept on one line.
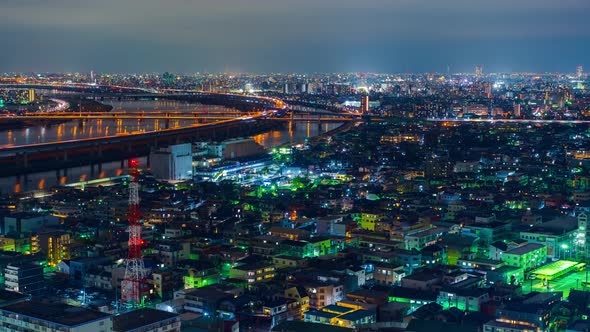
[(294, 35)]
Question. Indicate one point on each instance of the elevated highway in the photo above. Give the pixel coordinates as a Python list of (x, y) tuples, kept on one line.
[(239, 101), (264, 114), (30, 118), (523, 121), (23, 159)]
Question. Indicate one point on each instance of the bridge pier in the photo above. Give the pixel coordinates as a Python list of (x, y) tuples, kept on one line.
[(25, 160), (23, 182), (91, 153)]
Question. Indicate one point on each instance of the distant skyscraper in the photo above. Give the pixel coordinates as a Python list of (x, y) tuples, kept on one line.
[(364, 104), (478, 71), (580, 71), (488, 90), (31, 96), (92, 76), (517, 110)]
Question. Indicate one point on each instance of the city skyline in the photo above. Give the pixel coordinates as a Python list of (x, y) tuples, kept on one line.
[(303, 36), (295, 165), (473, 71)]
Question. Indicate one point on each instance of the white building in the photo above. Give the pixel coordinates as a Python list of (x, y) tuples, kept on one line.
[(172, 163), (464, 299)]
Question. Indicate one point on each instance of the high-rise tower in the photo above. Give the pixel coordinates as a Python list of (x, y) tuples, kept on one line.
[(580, 71), (132, 284), (478, 71), (364, 104)]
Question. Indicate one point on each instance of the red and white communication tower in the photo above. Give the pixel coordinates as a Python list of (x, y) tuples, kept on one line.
[(133, 283)]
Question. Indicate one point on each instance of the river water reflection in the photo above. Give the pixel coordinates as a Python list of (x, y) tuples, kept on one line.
[(291, 134)]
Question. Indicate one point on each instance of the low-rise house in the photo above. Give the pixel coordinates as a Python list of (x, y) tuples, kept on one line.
[(463, 299)]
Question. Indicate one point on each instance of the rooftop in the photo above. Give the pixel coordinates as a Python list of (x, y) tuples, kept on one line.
[(296, 326), (323, 314), (543, 298), (470, 292), (284, 230), (483, 261), (252, 266), (293, 258), (294, 243), (525, 249), (57, 313), (8, 297), (419, 325), (410, 293), (132, 320), (500, 245), (208, 292), (356, 315), (336, 309), (556, 226), (421, 276), (507, 269)]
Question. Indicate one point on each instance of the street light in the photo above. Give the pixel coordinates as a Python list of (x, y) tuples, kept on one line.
[(531, 278), (564, 248)]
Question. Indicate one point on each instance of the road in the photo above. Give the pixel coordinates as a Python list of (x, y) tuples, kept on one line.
[(532, 121)]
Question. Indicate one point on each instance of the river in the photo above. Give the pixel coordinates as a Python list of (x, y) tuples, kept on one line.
[(75, 130)]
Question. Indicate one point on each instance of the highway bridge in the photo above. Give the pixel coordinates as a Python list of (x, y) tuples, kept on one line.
[(23, 159), (265, 113), (31, 118), (81, 90)]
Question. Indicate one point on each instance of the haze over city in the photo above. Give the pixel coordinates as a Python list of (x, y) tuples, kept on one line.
[(187, 36)]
